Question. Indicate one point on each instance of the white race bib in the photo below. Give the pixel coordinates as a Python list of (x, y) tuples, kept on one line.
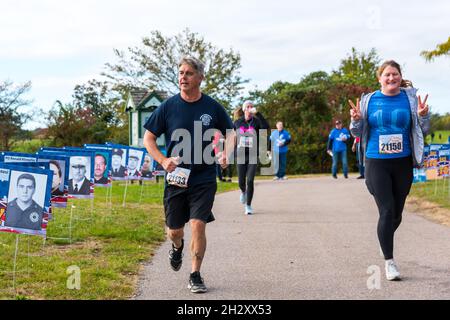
[(178, 177), (246, 142), (390, 144)]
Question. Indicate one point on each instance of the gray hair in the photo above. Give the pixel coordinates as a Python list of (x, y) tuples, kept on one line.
[(195, 63)]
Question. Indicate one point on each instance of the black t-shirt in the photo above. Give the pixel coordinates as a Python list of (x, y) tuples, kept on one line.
[(203, 114)]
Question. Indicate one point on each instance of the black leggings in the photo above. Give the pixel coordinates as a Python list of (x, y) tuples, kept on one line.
[(247, 171), (389, 181)]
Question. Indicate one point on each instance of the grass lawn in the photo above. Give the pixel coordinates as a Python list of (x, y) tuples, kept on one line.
[(431, 199), (437, 191), (106, 243), (439, 137)]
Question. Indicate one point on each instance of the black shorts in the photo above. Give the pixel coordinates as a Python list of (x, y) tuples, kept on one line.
[(184, 204)]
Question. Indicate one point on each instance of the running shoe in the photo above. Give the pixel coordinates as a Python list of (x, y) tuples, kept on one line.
[(392, 272), (176, 256), (248, 209), (243, 197), (196, 283)]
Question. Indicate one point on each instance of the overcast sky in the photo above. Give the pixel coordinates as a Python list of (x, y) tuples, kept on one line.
[(58, 44)]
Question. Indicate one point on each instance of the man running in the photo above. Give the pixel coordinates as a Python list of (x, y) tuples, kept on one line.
[(190, 178)]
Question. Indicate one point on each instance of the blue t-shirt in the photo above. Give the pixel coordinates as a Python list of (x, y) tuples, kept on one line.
[(390, 123), (176, 113), (339, 138), (280, 140)]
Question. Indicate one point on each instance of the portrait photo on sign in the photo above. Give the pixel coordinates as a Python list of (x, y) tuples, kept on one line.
[(119, 162), (26, 200), (59, 174), (134, 162), (101, 167), (147, 167), (79, 175)]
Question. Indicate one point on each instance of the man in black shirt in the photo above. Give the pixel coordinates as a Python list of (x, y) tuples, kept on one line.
[(190, 188)]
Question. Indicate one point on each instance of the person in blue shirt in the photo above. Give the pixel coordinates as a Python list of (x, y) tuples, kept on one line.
[(189, 121), (391, 123), (337, 146), (280, 139)]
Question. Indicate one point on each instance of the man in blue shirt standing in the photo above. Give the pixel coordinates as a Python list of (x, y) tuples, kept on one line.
[(280, 139), (337, 145)]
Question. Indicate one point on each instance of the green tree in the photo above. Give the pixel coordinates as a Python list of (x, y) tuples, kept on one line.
[(154, 66), (106, 106), (12, 111), (441, 50), (304, 110), (439, 122), (358, 68)]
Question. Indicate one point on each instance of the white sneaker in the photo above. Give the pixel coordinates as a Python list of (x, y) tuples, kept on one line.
[(392, 272), (284, 178), (243, 197), (275, 178), (248, 209)]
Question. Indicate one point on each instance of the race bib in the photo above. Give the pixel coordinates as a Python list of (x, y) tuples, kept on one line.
[(178, 177), (246, 142), (390, 143)]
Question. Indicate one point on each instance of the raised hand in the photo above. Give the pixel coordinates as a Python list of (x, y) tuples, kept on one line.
[(355, 111), (422, 108)]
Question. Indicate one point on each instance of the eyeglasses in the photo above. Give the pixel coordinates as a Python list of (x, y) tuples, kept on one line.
[(78, 166)]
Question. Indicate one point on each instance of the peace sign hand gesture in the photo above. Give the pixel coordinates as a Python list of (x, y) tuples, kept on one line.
[(355, 111), (422, 108)]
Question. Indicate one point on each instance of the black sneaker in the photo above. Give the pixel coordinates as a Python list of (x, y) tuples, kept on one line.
[(176, 256), (334, 176), (196, 284)]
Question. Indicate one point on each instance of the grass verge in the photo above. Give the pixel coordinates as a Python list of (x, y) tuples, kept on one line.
[(431, 200)]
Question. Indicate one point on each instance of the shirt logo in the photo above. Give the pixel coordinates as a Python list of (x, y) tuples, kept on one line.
[(342, 137), (34, 217), (206, 119)]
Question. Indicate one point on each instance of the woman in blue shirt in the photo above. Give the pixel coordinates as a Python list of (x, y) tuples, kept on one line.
[(391, 123)]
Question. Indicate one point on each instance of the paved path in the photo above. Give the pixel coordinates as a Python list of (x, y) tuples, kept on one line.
[(309, 238)]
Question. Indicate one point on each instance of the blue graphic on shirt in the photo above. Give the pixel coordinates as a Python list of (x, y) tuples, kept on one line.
[(390, 124), (338, 139)]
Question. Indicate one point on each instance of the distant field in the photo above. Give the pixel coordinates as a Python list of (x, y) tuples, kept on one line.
[(439, 137), (29, 146)]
